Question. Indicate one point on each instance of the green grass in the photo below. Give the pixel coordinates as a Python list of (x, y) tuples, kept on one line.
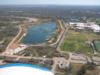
[(77, 41), (97, 44)]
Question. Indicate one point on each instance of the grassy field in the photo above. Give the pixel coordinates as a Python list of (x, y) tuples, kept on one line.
[(76, 41), (97, 44)]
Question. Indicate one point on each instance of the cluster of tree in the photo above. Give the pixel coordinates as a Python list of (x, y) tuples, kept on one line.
[(88, 66), (7, 31)]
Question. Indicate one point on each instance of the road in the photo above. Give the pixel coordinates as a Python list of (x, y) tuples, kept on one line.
[(73, 58), (63, 36), (25, 57)]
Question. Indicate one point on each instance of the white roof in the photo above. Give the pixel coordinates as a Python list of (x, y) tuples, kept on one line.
[(96, 27), (77, 24), (80, 25), (20, 48)]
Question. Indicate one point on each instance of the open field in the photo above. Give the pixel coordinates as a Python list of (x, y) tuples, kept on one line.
[(78, 41)]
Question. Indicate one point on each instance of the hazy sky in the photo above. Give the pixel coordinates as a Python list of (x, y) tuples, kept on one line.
[(57, 2)]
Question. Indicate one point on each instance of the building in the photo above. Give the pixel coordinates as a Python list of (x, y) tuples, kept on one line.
[(78, 25), (64, 64)]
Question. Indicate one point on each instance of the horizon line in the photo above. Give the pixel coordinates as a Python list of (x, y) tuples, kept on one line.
[(53, 4)]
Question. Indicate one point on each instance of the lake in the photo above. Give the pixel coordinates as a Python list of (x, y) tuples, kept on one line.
[(38, 33)]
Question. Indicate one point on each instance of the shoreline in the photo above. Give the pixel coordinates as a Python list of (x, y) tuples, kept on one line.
[(16, 42)]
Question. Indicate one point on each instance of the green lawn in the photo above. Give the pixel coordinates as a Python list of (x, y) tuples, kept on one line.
[(77, 41), (97, 44)]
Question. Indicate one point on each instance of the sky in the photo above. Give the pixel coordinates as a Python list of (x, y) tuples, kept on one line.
[(53, 2)]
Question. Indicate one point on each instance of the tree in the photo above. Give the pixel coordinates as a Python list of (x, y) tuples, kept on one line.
[(82, 71)]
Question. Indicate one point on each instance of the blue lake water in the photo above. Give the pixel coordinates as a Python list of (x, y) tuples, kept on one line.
[(39, 33)]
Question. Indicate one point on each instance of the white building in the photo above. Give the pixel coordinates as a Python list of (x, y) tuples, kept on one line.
[(96, 28), (79, 25)]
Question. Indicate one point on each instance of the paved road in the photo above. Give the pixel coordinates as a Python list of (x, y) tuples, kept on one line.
[(73, 58), (80, 58), (64, 34), (24, 57)]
